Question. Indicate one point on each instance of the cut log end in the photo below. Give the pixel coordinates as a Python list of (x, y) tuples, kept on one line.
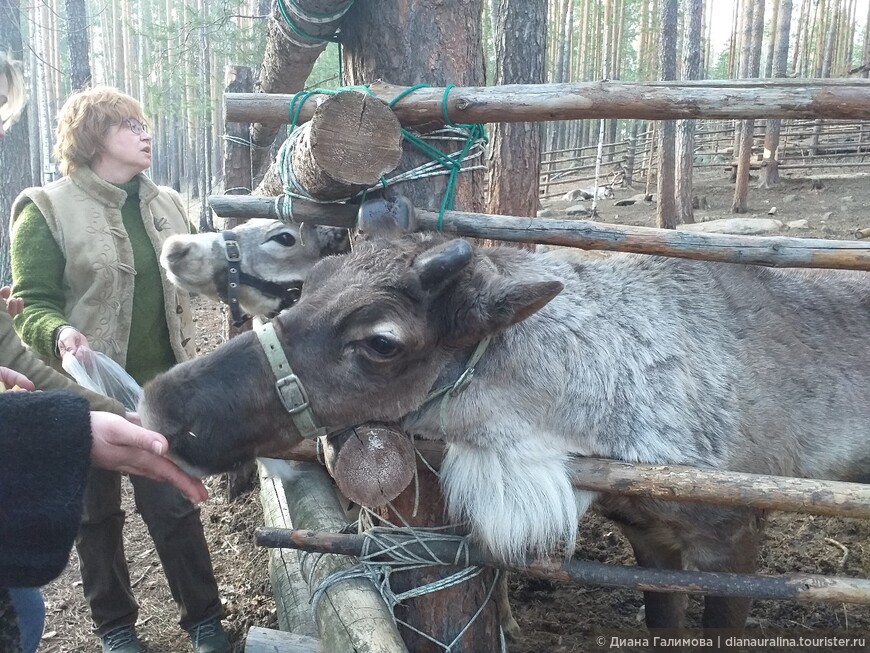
[(352, 141), (371, 463)]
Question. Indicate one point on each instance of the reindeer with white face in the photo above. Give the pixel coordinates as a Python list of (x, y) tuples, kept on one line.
[(642, 359), (273, 259)]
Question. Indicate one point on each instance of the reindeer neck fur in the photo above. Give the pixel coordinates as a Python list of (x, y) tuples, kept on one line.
[(614, 335)]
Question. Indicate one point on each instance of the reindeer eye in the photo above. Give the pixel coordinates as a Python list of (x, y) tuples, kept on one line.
[(285, 239), (383, 346)]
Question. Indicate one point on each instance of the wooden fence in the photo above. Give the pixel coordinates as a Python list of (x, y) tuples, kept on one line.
[(804, 144), (805, 141)]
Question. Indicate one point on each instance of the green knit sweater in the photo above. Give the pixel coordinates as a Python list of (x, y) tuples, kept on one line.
[(38, 270)]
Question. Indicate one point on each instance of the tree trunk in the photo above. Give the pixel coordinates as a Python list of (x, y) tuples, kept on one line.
[(77, 40), (558, 68), (665, 204), (769, 175), (866, 58), (827, 56), (205, 122), (33, 129), (407, 27), (771, 48), (238, 175), (131, 74), (394, 40), (39, 36), (51, 43), (286, 66), (744, 152), (734, 43), (118, 43), (15, 152), (693, 11), (797, 66), (515, 148), (757, 37)]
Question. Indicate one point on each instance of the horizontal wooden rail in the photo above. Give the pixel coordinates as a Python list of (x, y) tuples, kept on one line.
[(795, 587), (687, 484), (847, 99), (769, 251)]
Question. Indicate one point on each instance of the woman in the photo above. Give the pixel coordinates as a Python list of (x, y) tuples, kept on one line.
[(85, 262), (46, 518)]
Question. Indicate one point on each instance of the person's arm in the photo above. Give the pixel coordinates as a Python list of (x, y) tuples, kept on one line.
[(123, 445), (46, 442), (49, 440), (38, 271), (15, 355)]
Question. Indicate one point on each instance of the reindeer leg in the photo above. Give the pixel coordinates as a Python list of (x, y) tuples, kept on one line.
[(664, 611), (509, 625), (723, 613)]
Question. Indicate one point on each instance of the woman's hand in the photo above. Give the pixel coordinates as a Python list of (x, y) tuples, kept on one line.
[(12, 305), (69, 339), (122, 446), (11, 378)]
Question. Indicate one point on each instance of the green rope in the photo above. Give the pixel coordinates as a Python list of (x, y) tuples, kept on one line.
[(475, 133), (407, 91), (444, 105), (296, 102), (316, 16)]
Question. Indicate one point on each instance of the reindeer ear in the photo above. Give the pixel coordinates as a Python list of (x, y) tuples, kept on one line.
[(503, 302), (384, 217), (521, 300), (310, 235), (438, 266), (332, 240)]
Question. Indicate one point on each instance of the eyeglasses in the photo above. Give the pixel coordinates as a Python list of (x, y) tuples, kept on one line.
[(135, 126)]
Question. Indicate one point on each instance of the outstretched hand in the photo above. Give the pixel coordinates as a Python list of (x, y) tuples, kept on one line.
[(69, 339), (12, 305), (122, 446), (10, 378)]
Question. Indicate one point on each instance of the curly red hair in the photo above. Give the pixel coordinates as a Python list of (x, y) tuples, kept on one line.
[(84, 120)]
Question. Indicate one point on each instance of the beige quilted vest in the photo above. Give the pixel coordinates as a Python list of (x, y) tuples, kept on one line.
[(83, 213)]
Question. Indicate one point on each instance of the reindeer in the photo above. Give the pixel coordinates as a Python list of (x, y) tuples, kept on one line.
[(270, 258), (637, 358)]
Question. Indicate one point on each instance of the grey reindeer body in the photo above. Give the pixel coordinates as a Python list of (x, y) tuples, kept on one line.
[(637, 358), (656, 360)]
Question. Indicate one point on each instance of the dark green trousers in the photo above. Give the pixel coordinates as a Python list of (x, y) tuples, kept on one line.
[(176, 530)]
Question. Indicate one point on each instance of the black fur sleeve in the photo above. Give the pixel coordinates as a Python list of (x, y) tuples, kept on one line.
[(45, 444)]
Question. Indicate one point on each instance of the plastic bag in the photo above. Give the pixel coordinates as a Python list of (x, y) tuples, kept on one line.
[(99, 373)]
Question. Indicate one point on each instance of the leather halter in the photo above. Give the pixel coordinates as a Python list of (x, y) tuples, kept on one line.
[(287, 295), (287, 384)]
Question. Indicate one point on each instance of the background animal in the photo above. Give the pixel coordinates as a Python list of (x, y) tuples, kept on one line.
[(636, 358), (271, 251), (593, 192)]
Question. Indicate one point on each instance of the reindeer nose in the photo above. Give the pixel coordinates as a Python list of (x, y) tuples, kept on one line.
[(176, 250)]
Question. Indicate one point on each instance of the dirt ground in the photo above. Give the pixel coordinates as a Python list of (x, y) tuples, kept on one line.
[(554, 617)]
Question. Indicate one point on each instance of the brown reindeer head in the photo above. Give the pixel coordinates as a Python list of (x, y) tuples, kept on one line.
[(368, 339)]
